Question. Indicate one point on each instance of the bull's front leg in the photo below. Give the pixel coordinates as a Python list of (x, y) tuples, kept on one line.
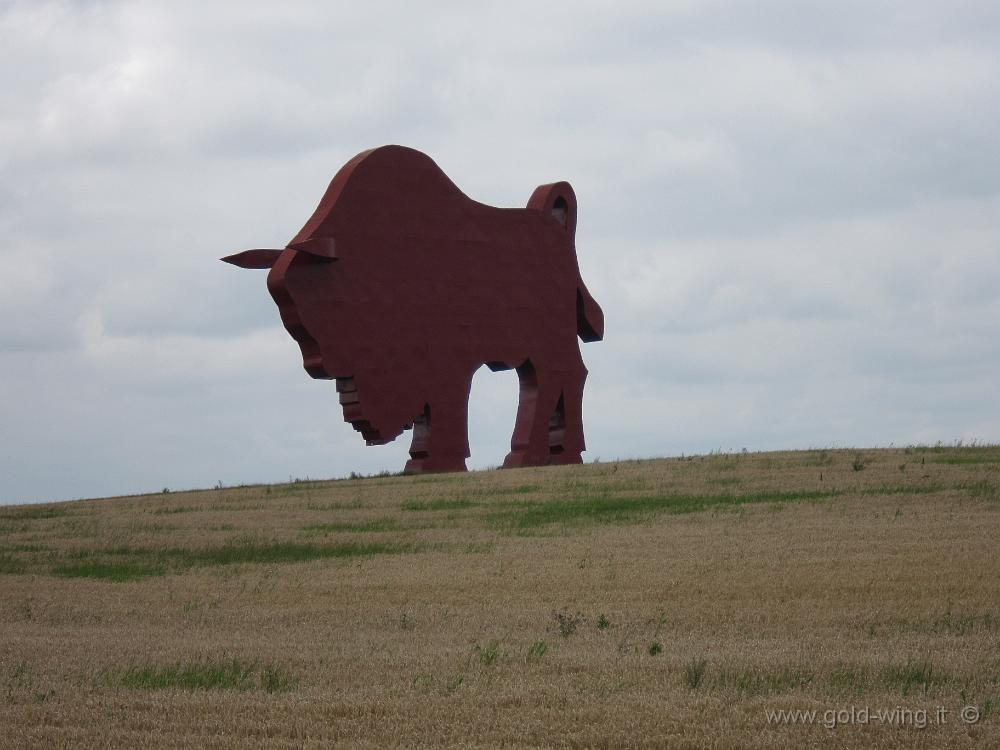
[(441, 433)]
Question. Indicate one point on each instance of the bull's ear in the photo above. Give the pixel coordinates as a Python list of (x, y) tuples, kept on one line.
[(321, 248), (558, 201), (253, 258)]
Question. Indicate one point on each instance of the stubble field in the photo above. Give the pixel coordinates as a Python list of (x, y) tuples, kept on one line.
[(668, 603)]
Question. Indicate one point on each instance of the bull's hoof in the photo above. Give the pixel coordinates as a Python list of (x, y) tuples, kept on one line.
[(434, 464), (521, 459)]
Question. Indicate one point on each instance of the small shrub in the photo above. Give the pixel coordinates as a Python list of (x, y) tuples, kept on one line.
[(858, 463)]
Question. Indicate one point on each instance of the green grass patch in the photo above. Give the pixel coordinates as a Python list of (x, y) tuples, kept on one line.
[(232, 674), (170, 510), (725, 481), (604, 509), (967, 459), (479, 548), (117, 571), (442, 504), (280, 552), (356, 527), (32, 513), (751, 682), (11, 565), (124, 563), (949, 623), (916, 488), (982, 489), (354, 504), (907, 679)]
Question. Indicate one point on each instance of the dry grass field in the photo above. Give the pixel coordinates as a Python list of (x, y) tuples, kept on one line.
[(667, 603)]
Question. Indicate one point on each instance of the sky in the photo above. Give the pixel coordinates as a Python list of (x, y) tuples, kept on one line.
[(788, 210)]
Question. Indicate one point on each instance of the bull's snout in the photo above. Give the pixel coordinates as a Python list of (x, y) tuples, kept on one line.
[(320, 249)]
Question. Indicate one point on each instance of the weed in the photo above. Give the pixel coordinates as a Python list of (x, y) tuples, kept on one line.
[(358, 527), (537, 650), (910, 676), (422, 682), (949, 623), (11, 565), (479, 548), (406, 622), (906, 678), (858, 463), (963, 459), (172, 509), (489, 655), (655, 648), (443, 504), (694, 673), (33, 513), (277, 680), (627, 649), (522, 489), (603, 623), (568, 623), (23, 610), (751, 682), (598, 509), (849, 678), (982, 489)]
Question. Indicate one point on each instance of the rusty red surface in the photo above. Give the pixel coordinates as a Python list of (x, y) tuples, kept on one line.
[(400, 287)]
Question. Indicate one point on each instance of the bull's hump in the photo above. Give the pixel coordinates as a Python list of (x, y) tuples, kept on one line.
[(401, 173)]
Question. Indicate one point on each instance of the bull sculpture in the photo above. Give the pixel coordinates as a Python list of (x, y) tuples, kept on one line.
[(400, 287)]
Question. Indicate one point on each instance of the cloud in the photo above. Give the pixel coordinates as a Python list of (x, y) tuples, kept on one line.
[(788, 212)]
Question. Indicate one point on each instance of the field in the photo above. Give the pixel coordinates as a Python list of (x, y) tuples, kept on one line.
[(680, 602)]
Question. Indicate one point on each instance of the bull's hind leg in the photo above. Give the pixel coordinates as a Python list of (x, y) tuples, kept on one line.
[(549, 426), (566, 424), (441, 433)]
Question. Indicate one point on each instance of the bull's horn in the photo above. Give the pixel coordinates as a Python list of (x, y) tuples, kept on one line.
[(253, 258)]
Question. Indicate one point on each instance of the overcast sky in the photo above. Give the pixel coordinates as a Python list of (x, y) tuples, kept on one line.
[(789, 211)]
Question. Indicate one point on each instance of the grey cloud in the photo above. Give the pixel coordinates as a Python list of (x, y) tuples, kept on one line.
[(788, 212)]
